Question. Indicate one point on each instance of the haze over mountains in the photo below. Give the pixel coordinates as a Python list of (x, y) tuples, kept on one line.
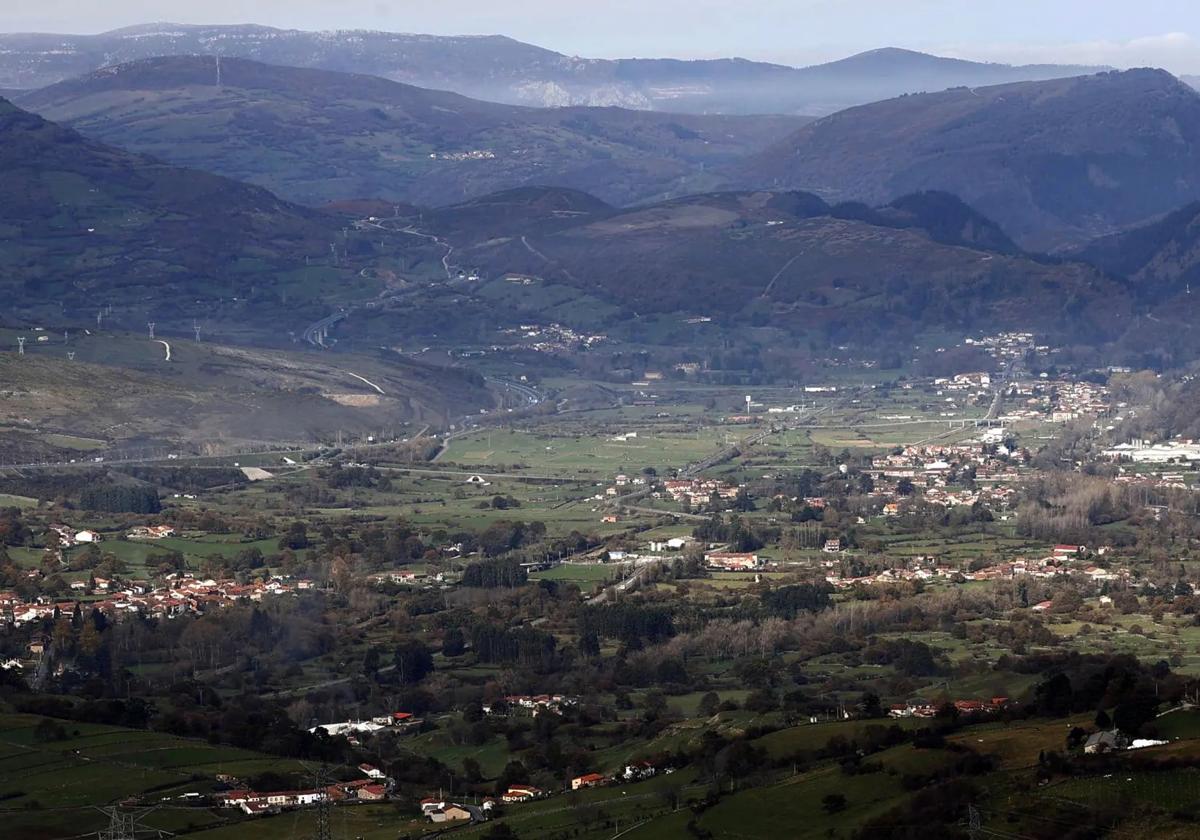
[(1053, 162), (316, 136), (501, 69)]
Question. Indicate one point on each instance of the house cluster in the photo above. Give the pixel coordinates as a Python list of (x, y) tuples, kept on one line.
[(471, 154), (151, 532), (1114, 740), (1007, 346), (732, 561), (589, 780), (931, 461), (922, 709), (550, 338), (254, 803), (913, 571), (521, 793), (535, 704), (975, 383), (68, 536), (180, 594), (698, 492), (655, 549), (439, 810), (623, 483), (1063, 561), (1166, 480), (410, 577), (1056, 400), (933, 468), (350, 729), (672, 544), (641, 770)]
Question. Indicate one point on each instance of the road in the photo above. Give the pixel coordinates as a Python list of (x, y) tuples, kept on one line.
[(166, 347), (725, 454), (779, 273), (555, 479), (314, 332), (691, 517), (624, 586), (378, 224), (364, 379)]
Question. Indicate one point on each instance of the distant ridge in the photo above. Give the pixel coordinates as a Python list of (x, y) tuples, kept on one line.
[(1054, 162), (316, 136), (500, 69)]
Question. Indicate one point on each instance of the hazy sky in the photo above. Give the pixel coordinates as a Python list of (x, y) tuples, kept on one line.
[(1123, 33)]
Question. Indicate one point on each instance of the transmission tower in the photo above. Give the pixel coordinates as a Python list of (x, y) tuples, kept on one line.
[(99, 318), (122, 826), (21, 345), (322, 779), (196, 327), (70, 355), (151, 326), (974, 822)]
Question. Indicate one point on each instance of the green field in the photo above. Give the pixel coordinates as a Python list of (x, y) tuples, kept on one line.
[(51, 788)]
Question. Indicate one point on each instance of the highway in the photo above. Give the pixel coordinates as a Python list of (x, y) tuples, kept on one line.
[(314, 333)]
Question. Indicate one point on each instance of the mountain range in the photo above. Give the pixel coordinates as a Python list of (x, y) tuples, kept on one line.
[(789, 261), (500, 69), (88, 226), (316, 136), (85, 226), (1055, 162)]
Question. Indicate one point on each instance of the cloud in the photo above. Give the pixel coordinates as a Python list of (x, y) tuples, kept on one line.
[(1178, 52)]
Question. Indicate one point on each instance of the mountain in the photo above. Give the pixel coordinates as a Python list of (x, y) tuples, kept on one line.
[(1160, 264), (500, 69), (1053, 162), (315, 136), (87, 227), (791, 262), (1161, 258)]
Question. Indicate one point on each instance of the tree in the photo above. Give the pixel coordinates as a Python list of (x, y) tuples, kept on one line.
[(413, 662), (709, 704), (296, 537), (453, 642), (833, 803), (870, 705), (471, 770), (589, 645), (371, 660), (1132, 714)]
